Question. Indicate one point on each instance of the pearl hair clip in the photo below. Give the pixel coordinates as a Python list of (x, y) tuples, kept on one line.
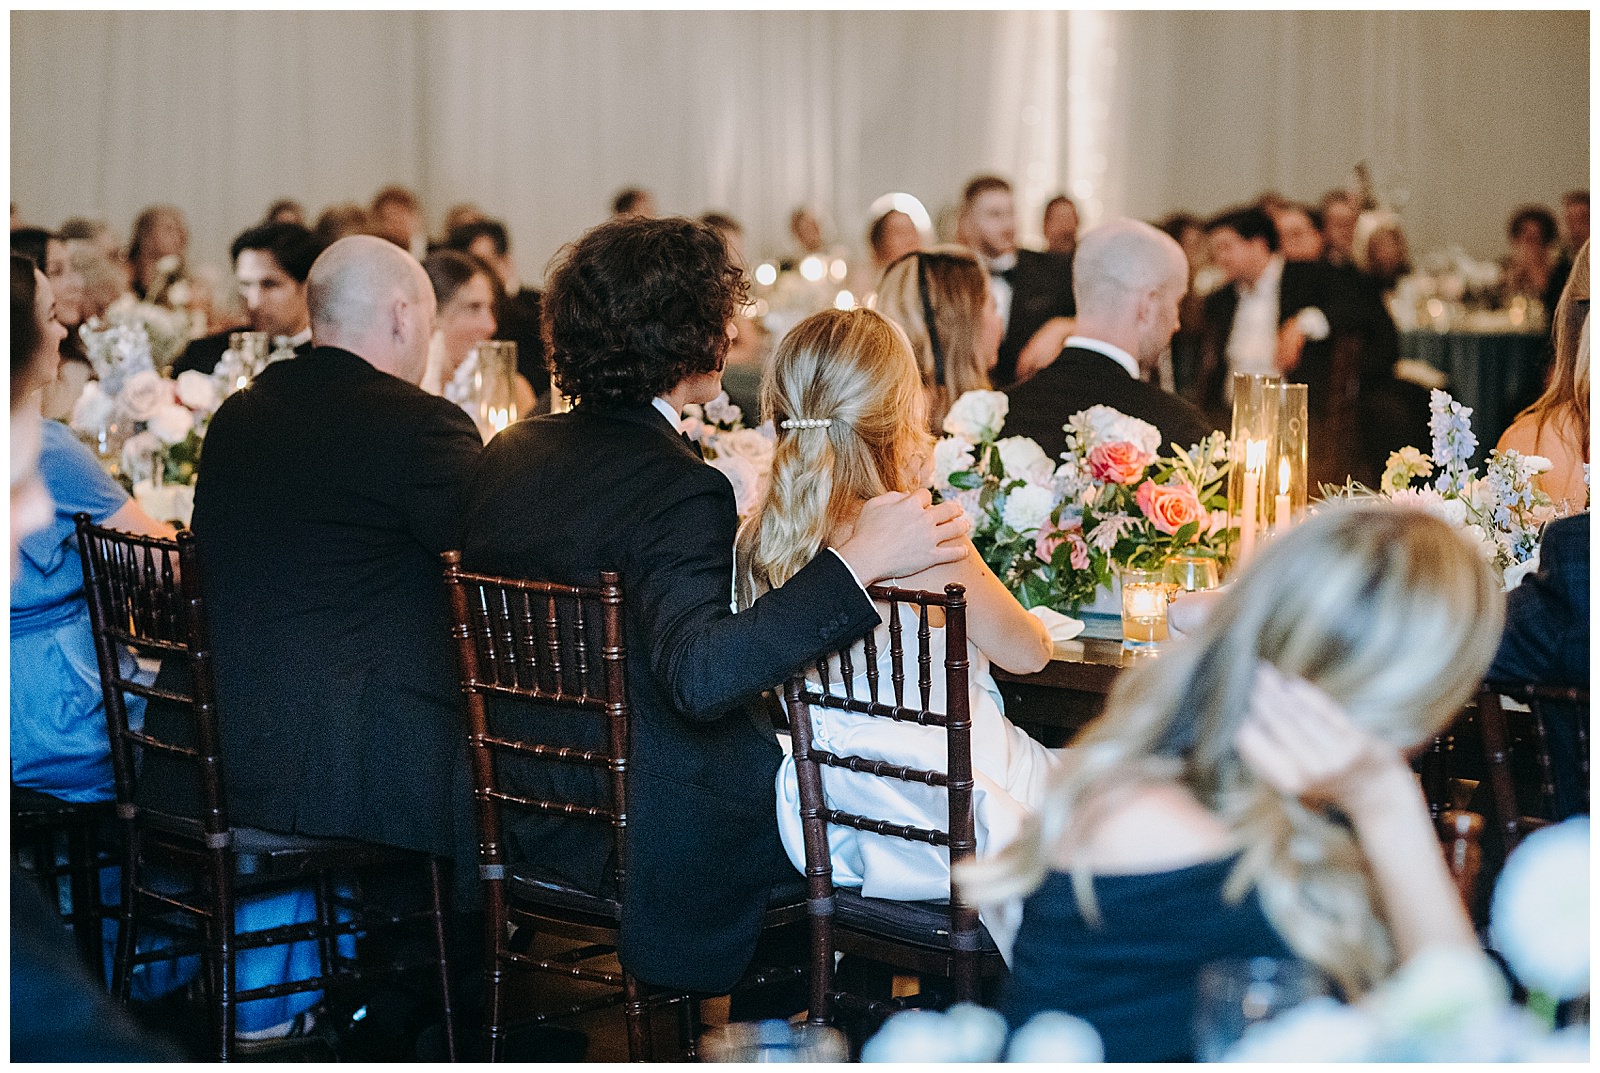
[(805, 422)]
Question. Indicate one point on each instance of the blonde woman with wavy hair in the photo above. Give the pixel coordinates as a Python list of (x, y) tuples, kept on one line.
[(1247, 794), (844, 393), (941, 299)]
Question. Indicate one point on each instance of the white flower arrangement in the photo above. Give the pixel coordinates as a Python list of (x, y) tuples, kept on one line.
[(978, 416), (970, 1033), (743, 455)]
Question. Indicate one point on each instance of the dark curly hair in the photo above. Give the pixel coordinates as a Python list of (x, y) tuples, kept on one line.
[(635, 306)]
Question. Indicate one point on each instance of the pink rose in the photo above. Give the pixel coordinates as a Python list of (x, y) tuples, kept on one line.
[(1120, 463), (1045, 544), (1078, 556), (1170, 506)]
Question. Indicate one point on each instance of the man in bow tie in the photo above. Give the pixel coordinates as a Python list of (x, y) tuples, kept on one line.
[(639, 315), (271, 263), (1032, 291)]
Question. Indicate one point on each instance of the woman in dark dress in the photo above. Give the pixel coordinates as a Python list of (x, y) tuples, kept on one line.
[(1247, 794)]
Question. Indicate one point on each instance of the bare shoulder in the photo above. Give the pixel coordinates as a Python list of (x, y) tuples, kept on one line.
[(1155, 827)]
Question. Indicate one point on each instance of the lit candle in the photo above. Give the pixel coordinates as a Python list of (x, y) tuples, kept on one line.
[(1255, 463), (1280, 506)]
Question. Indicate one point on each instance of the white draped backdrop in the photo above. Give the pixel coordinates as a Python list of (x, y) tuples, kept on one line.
[(540, 117)]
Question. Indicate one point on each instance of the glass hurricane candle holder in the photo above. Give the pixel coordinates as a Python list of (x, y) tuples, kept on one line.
[(1286, 467), (1255, 430), (1145, 594), (495, 386)]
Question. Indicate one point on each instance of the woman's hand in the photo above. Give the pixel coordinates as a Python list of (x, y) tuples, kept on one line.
[(1299, 741)]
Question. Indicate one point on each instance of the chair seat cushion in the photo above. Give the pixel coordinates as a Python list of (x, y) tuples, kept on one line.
[(921, 923)]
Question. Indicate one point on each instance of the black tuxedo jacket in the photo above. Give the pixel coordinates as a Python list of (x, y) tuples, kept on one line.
[(1304, 284), (326, 492), (203, 354), (1041, 288), (562, 497), (1082, 378)]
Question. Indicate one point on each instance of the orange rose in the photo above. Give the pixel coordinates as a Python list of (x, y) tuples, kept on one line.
[(1120, 463), (1170, 506)]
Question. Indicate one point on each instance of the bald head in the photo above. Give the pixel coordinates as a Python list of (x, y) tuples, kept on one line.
[(368, 296), (1128, 279), (1120, 260)]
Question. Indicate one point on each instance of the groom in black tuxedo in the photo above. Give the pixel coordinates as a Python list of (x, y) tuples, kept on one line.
[(639, 317)]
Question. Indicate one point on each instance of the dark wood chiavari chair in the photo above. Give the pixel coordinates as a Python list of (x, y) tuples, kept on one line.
[(144, 593), (1510, 733), (932, 939), (42, 827)]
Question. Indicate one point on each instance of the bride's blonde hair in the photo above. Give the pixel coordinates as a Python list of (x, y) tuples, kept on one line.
[(1390, 612), (854, 371)]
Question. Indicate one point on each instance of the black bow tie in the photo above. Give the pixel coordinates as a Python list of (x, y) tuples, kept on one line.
[(694, 445)]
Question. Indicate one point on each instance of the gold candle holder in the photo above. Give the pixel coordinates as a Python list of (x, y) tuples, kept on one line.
[(1255, 431), (1287, 461)]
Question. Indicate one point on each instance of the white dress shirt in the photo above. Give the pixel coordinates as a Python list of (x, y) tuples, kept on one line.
[(1000, 287)]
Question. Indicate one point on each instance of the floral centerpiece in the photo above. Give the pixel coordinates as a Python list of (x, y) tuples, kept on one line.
[(1054, 534), (743, 455), (147, 428), (1503, 511)]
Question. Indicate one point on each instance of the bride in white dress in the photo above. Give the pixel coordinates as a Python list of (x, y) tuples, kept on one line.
[(846, 396)]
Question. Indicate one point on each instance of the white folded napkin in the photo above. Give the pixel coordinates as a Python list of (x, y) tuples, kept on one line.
[(1061, 627)]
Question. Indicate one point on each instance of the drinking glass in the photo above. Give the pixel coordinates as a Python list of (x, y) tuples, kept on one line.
[(1144, 608), (1193, 573), (1235, 993)]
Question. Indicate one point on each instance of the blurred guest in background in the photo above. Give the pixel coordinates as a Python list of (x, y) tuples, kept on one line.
[(286, 210), (891, 237), (941, 299), (741, 373), (1128, 279), (1060, 225), (634, 201), (467, 291), (270, 263), (1525, 271), (158, 252), (1381, 250), (1340, 211), (460, 215), (517, 313), (806, 230), (1575, 219), (1556, 426), (1186, 230), (397, 216), (1299, 232), (66, 280), (94, 251), (1031, 289), (341, 221)]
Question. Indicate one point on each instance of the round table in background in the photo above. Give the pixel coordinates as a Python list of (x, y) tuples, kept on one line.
[(1496, 373)]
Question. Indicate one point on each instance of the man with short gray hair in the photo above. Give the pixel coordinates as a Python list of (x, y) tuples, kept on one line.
[(1128, 279)]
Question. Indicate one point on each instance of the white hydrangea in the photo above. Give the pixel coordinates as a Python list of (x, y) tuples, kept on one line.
[(977, 415), (172, 423), (951, 455), (1321, 1029), (964, 1033), (197, 392), (1107, 425), (1025, 460), (1053, 1036), (1028, 507)]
